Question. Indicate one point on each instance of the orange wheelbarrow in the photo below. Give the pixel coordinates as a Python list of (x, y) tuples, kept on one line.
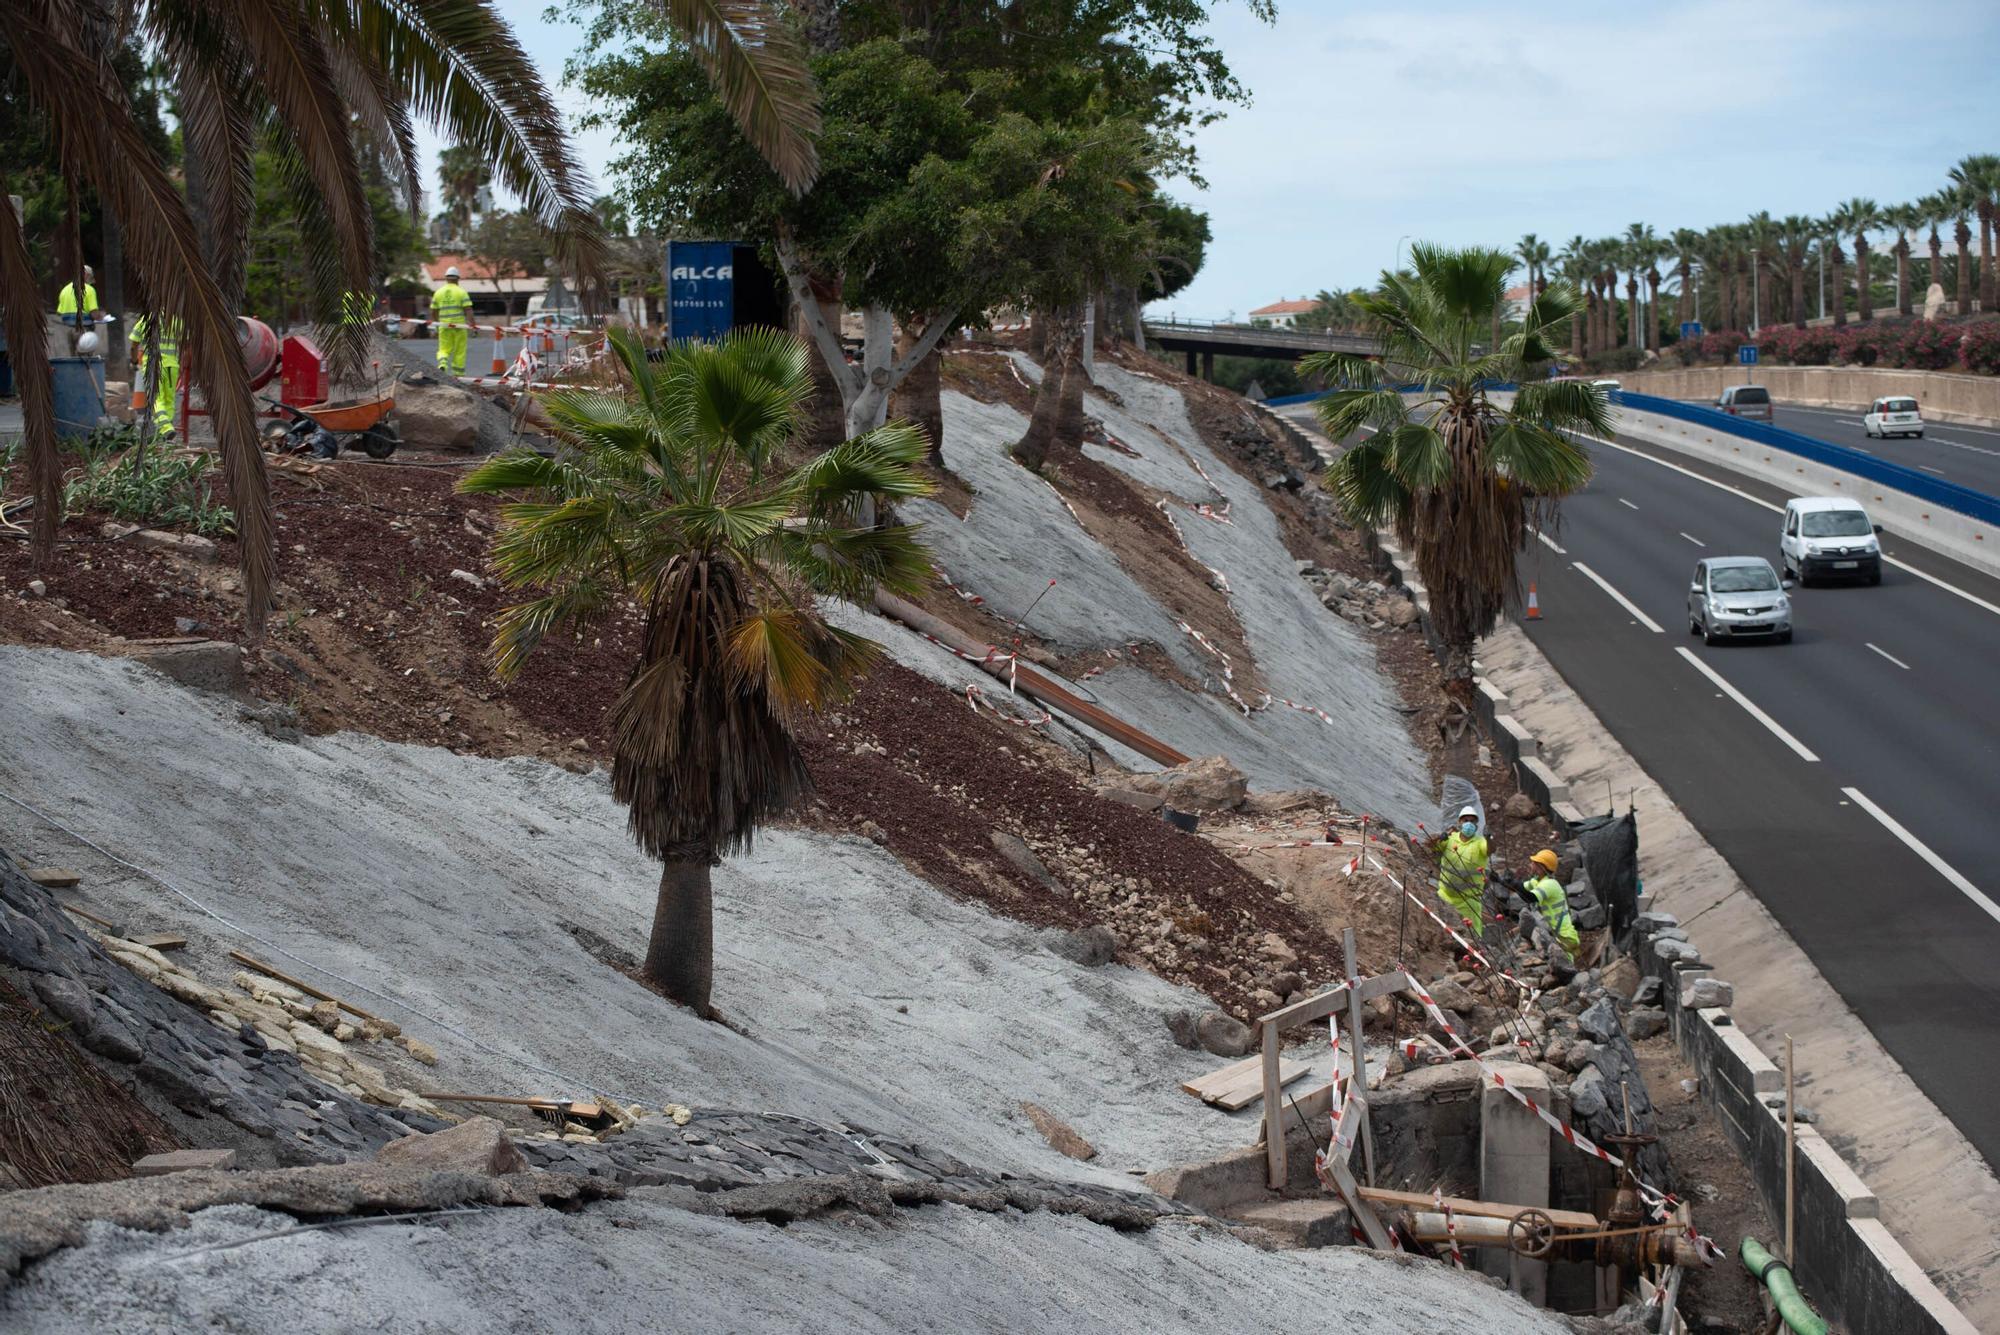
[(321, 429)]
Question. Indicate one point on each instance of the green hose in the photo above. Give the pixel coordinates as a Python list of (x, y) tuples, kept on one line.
[(1799, 1318)]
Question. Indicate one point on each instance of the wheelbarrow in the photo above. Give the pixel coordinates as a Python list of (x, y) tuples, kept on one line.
[(321, 429)]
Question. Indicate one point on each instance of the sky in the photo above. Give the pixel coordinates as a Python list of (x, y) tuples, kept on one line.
[(1473, 122)]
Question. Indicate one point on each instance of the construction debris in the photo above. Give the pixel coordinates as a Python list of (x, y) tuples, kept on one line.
[(53, 878)]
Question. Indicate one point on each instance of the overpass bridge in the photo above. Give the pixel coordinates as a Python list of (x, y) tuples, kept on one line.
[(1208, 337)]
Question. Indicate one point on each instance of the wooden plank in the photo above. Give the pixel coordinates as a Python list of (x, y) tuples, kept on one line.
[(1357, 1204), (1423, 1200), (305, 987), (1305, 1012), (114, 928), (1274, 1126), (162, 941), (1241, 1095), (1359, 1063), (1216, 1081)]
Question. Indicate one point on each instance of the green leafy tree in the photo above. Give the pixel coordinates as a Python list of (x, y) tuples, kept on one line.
[(673, 495), (1460, 476), (513, 248)]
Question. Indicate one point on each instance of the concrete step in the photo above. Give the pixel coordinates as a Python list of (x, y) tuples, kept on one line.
[(1322, 1222)]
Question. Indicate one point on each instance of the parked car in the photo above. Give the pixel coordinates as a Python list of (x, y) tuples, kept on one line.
[(1829, 536), (542, 320), (1752, 402), (1738, 597), (1893, 416), (1608, 386)]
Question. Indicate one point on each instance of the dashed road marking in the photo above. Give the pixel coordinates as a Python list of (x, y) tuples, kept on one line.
[(1750, 706), (1891, 657), (1620, 598)]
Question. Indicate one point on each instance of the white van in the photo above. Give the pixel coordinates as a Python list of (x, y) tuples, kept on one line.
[(1830, 537)]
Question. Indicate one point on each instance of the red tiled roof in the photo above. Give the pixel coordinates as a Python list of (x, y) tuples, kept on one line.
[(467, 268), (1286, 308)]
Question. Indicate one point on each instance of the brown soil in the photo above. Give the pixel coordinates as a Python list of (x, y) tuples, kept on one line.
[(988, 375), (1716, 1183)]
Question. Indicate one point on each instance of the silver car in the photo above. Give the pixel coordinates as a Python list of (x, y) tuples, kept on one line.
[(1738, 597)]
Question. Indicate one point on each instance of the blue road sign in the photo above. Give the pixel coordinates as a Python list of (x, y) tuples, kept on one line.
[(700, 288), (1747, 355), (1691, 329)]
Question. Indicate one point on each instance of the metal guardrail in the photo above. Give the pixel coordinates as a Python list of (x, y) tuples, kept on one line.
[(1946, 495)]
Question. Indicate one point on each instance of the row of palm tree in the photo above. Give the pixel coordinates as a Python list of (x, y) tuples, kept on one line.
[(1752, 273)]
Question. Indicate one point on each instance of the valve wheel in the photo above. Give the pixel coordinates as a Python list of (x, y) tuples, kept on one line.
[(1532, 1234)]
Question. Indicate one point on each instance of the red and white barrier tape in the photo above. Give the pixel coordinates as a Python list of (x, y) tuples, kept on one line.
[(1216, 577), (1066, 505), (976, 697), (1450, 1229), (945, 580), (1228, 668)]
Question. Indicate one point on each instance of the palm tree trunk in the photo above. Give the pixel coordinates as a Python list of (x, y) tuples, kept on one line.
[(1799, 293), (1903, 277), (826, 410), (1576, 326), (1964, 284), (680, 955), (920, 398), (1986, 233), (1864, 294), (1937, 265), (1839, 290), (1653, 311)]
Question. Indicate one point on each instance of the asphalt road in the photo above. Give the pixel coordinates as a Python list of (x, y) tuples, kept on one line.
[(1969, 456), (1849, 777)]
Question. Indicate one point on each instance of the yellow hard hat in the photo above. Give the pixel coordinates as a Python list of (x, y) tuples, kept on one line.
[(1547, 857)]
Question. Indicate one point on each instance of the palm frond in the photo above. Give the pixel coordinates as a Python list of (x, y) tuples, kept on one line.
[(759, 70), (519, 630)]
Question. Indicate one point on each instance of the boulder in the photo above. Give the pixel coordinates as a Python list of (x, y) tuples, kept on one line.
[(1181, 1025), (1452, 996), (1621, 976), (1648, 992), (1210, 783), (1702, 993), (1276, 949), (1015, 849), (1646, 1024), (1288, 982), (1522, 807), (1677, 952), (434, 415), (1587, 1096), (1223, 1034), (1089, 947), (478, 1145), (1599, 1020)]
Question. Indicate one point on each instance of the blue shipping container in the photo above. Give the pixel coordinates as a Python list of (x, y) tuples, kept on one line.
[(701, 289)]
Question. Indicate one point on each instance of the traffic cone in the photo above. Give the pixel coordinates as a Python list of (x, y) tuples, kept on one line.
[(499, 365), (1534, 606)]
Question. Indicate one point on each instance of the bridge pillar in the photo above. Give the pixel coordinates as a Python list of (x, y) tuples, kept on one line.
[(1190, 362), (1208, 367)]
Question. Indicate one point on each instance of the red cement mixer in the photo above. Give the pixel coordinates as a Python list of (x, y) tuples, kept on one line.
[(303, 420)]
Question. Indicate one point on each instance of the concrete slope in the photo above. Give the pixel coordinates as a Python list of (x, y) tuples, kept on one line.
[(645, 1265), (1018, 535), (447, 891)]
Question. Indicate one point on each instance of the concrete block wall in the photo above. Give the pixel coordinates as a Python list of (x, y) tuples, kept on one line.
[(1854, 1272), (1971, 399)]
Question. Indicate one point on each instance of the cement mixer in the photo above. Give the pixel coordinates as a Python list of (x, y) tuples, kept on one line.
[(260, 350)]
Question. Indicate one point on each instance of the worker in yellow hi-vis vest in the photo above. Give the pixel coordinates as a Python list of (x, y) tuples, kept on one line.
[(165, 371), (451, 308), (1462, 871), (79, 311)]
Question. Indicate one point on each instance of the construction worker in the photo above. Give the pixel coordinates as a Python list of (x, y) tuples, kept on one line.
[(451, 308), (1546, 893), (67, 307), (1462, 870), (164, 373)]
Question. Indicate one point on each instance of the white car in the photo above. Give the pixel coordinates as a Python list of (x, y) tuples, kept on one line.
[(1829, 536), (1608, 386), (1893, 416)]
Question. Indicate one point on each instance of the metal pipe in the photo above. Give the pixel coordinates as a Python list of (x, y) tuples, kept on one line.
[(1776, 1276)]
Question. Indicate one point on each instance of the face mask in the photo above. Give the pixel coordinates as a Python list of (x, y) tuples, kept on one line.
[(1468, 829)]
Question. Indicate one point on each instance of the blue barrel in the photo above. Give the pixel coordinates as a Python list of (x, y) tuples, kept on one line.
[(79, 390)]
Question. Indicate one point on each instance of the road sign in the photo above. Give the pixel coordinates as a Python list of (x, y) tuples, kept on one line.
[(1691, 329), (1747, 355)]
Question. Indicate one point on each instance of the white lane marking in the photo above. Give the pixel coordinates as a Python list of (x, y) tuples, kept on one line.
[(1627, 504), (1891, 657), (1917, 846), (1693, 539), (1852, 421), (1621, 599), (1924, 575), (1961, 445), (1928, 469), (1548, 542), (1750, 705)]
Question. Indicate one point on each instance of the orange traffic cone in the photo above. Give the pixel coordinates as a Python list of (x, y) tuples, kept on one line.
[(499, 364), (1534, 605)]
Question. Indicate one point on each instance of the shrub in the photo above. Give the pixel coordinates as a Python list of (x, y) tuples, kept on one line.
[(1931, 347), (167, 488), (1980, 346), (1617, 359), (1869, 345)]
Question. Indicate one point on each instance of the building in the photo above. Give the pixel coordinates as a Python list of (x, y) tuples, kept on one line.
[(1281, 314), (510, 293), (1514, 305)]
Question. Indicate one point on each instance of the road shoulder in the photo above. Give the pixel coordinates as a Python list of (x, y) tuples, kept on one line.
[(1938, 1195)]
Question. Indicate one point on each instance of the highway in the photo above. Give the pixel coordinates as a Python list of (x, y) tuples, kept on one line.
[(1969, 456), (1848, 778)]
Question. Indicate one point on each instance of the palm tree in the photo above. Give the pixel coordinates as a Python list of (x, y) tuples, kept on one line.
[(1461, 478), (1935, 208), (313, 82), (1720, 248), (1635, 251), (1686, 246), (1958, 210), (1904, 219), (1861, 217), (1608, 256), (1833, 226), (1795, 239), (1534, 252), (464, 173), (671, 495), (1760, 236), (1575, 269), (1978, 179)]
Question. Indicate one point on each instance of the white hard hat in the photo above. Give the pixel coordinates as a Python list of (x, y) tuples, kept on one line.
[(451, 272), (87, 344), (1469, 811)]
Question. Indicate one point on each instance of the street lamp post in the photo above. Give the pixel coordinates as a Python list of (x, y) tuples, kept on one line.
[(1399, 254), (1756, 294)]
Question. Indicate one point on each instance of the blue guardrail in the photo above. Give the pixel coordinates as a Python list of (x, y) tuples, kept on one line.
[(1945, 495)]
